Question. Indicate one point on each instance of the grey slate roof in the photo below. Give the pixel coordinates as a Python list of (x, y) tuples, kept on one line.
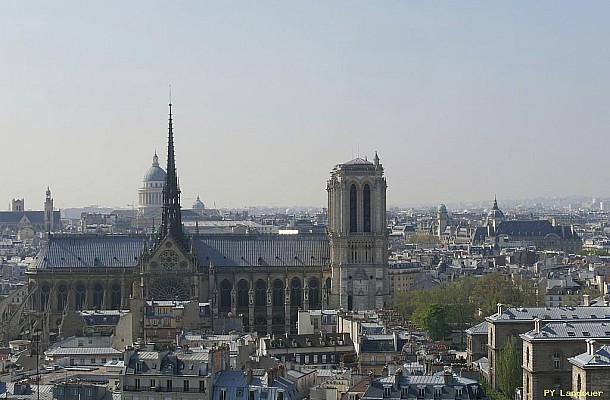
[(471, 389), (83, 351), (570, 330), (601, 358), (117, 251), (263, 250), (235, 385), (551, 314), (538, 228), (90, 251), (358, 160), (479, 329), (35, 217), (526, 229)]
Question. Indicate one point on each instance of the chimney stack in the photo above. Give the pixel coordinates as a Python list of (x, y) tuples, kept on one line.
[(447, 376), (499, 308), (585, 300), (397, 378), (537, 325)]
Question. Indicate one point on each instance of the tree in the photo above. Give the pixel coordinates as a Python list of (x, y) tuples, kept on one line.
[(435, 321), (575, 299), (508, 368), (420, 238)]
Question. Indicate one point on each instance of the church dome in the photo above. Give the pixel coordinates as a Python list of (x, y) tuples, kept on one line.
[(198, 205), (495, 212), (442, 208), (154, 173)]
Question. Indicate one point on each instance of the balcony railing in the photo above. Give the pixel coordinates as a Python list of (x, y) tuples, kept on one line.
[(133, 388)]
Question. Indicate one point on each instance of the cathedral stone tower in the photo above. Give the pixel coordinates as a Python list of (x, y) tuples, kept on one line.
[(358, 235)]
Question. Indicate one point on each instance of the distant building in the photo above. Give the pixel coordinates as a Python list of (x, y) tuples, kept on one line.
[(540, 233), (156, 375), (314, 350), (25, 224), (444, 385), (150, 196)]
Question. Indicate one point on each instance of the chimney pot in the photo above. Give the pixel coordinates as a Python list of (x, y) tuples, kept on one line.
[(537, 325)]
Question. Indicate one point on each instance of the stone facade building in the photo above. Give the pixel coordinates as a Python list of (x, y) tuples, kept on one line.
[(512, 322), (591, 371), (546, 352), (25, 224), (476, 343), (540, 233), (264, 279)]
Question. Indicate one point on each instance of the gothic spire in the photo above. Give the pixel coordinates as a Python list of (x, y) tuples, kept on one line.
[(171, 223)]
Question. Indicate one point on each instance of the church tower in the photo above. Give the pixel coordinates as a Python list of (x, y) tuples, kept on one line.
[(48, 211), (357, 230), (441, 220)]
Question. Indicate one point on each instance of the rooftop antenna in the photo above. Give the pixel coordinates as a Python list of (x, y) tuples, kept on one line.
[(170, 94)]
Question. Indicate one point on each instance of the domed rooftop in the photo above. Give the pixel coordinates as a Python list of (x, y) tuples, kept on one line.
[(198, 205), (442, 208), (495, 212), (155, 173)]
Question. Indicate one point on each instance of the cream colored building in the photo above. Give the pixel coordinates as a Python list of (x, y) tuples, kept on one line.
[(546, 353), (591, 372)]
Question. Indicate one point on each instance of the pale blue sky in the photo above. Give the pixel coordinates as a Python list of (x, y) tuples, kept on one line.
[(461, 99)]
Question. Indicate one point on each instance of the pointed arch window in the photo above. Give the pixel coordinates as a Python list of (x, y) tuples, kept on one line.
[(62, 297), (45, 291), (225, 295), (98, 296), (115, 297), (278, 293), (242, 294), (314, 293), (295, 292), (80, 297), (260, 293), (366, 205), (353, 209)]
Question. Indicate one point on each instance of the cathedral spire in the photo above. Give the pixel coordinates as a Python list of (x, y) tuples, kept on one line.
[(171, 223)]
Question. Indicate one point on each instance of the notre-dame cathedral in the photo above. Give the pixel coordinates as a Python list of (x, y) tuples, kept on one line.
[(266, 278)]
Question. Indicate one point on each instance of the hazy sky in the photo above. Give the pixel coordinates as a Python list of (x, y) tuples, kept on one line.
[(461, 99)]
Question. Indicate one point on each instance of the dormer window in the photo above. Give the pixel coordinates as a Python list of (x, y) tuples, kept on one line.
[(387, 391), (421, 392), (404, 392)]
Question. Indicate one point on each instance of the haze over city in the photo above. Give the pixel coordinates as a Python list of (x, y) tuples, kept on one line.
[(461, 100)]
